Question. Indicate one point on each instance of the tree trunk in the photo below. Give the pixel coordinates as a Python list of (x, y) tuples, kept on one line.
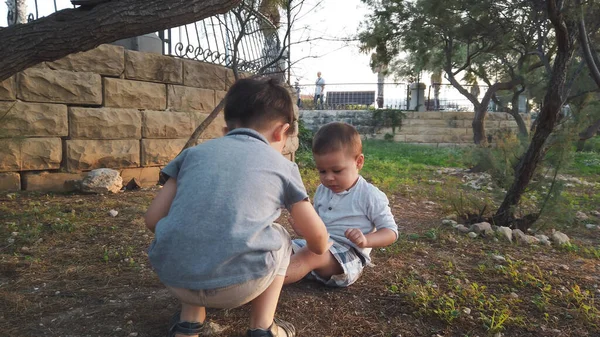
[(478, 125), (74, 30), (553, 102), (514, 111), (479, 136), (587, 134)]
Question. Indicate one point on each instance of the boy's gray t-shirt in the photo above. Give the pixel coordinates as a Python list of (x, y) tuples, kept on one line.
[(219, 228)]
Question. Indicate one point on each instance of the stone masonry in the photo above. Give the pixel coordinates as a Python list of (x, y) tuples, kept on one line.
[(107, 107), (437, 128)]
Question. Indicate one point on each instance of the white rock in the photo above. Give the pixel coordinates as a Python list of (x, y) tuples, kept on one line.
[(514, 295), (467, 311), (102, 181), (473, 235), (543, 239), (591, 226), (517, 234), (505, 233), (483, 228), (10, 241), (581, 216), (14, 234), (462, 229), (113, 213), (596, 213), (560, 238), (448, 222), (499, 258)]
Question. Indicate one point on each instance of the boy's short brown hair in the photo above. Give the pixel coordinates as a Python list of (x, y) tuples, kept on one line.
[(256, 103), (337, 136)]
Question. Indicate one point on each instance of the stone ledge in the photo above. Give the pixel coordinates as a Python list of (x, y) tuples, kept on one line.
[(33, 119), (145, 176), (29, 154), (205, 75), (8, 89), (105, 59), (105, 123), (10, 182), (59, 86), (190, 99), (91, 154), (169, 124), (157, 152), (134, 94), (51, 181), (153, 67)]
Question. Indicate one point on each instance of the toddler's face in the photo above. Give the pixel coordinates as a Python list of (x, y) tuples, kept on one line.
[(338, 170)]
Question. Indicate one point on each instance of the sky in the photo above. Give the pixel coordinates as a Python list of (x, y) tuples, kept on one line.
[(339, 62)]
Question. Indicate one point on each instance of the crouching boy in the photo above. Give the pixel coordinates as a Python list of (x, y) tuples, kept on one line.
[(215, 244)]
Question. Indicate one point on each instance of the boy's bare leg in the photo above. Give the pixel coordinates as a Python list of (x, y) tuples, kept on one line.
[(305, 261), (264, 306), (191, 313)]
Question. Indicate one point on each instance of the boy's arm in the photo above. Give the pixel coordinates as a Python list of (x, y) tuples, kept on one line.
[(159, 208), (308, 224)]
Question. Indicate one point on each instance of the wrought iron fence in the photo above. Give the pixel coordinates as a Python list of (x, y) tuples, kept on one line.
[(447, 97), (344, 96), (210, 40), (243, 30)]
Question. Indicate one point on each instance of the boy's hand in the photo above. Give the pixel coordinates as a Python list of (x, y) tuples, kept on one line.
[(357, 237)]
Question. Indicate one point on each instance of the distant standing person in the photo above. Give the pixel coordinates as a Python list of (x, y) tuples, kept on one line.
[(319, 90)]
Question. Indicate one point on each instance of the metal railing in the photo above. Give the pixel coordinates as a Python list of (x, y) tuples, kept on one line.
[(210, 40), (447, 97), (214, 39), (353, 96)]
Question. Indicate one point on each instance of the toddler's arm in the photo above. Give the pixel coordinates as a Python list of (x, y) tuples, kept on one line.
[(381, 238), (159, 208), (308, 224)]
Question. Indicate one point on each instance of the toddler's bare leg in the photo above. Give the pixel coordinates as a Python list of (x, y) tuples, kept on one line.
[(305, 261)]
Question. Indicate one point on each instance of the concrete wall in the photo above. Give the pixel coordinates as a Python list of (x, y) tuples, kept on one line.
[(438, 128), (107, 107)]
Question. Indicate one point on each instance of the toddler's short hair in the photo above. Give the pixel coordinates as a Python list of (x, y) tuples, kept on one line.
[(337, 136), (256, 103)]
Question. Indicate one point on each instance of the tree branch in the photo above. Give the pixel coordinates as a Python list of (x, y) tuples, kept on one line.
[(75, 30), (585, 46)]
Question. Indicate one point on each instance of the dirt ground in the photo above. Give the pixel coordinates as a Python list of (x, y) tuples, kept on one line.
[(74, 270)]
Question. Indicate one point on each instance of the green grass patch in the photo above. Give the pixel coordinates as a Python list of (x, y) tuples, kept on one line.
[(585, 164), (390, 165)]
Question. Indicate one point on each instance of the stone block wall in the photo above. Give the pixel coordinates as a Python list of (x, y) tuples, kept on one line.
[(438, 128), (108, 107)]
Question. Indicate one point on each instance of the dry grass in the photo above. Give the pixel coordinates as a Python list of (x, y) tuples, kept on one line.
[(86, 274)]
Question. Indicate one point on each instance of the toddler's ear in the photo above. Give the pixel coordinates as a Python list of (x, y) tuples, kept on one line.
[(360, 161)]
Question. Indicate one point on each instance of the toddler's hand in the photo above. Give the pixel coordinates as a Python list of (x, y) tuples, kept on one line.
[(357, 237)]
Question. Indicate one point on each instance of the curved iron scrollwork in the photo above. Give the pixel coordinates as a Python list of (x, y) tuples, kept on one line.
[(244, 31)]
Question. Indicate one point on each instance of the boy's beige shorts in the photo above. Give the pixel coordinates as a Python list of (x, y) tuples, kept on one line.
[(238, 294)]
